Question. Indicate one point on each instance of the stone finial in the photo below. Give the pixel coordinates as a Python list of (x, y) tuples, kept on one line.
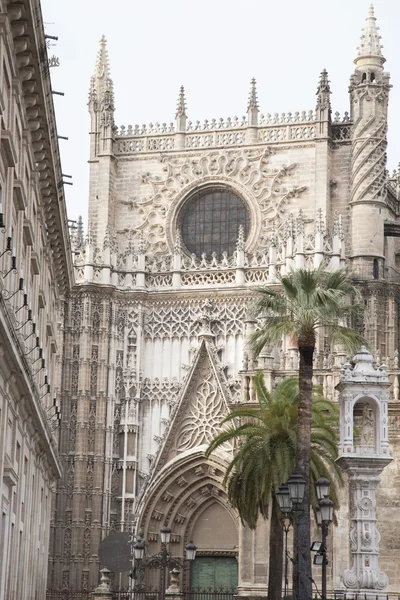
[(273, 237), (252, 106), (107, 238), (103, 589), (290, 225), (369, 51), (253, 101), (180, 115), (336, 224), (101, 92), (79, 232), (178, 243), (141, 247), (363, 369), (319, 222), (91, 235), (181, 106), (241, 242), (324, 92), (300, 223)]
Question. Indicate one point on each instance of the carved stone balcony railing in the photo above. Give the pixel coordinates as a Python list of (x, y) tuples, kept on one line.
[(215, 133)]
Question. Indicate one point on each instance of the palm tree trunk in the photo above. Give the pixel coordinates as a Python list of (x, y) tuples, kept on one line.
[(302, 583), (275, 553)]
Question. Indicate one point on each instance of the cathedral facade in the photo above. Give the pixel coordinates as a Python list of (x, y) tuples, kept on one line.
[(185, 222)]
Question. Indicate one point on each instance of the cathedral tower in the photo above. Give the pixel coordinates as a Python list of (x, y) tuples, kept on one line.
[(369, 92)]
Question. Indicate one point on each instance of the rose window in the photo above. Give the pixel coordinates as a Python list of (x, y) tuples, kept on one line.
[(210, 221)]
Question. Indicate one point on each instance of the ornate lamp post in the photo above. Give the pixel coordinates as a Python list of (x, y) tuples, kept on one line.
[(285, 506), (324, 515), (163, 559), (290, 499)]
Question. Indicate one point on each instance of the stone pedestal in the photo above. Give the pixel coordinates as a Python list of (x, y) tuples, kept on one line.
[(103, 591), (173, 591)]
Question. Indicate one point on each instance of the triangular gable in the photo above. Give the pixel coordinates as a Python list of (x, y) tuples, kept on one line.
[(202, 403)]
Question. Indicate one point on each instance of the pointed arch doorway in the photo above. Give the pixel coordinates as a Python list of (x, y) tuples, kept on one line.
[(189, 495), (215, 568)]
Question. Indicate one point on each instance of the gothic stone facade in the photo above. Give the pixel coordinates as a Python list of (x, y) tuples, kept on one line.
[(36, 272), (155, 333)]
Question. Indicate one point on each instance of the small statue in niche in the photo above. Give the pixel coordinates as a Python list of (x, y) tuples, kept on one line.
[(367, 426)]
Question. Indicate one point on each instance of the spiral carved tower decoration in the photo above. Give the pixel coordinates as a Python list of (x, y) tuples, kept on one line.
[(369, 93)]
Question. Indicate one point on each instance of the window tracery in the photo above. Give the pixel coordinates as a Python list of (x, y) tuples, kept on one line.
[(210, 221)]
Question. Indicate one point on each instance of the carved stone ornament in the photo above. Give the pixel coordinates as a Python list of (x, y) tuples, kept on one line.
[(246, 171)]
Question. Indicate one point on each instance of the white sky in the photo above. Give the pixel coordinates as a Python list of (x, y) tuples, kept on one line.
[(213, 48)]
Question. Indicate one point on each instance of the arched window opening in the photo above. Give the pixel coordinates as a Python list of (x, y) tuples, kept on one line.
[(364, 78), (372, 77), (375, 269), (365, 422)]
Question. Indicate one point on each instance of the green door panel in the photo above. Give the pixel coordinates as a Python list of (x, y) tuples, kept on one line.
[(214, 573)]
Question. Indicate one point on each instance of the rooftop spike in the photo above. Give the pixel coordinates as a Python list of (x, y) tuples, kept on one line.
[(102, 63), (79, 231), (369, 50), (252, 106), (100, 82), (253, 101), (181, 119), (181, 106), (324, 92), (241, 242)]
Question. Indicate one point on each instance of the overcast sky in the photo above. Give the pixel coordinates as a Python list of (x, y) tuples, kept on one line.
[(213, 48)]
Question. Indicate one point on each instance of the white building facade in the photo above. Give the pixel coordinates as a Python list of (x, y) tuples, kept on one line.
[(35, 274), (185, 222)]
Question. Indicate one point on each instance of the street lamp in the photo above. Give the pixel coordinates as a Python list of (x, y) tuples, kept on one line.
[(322, 487), (290, 498), (165, 534), (163, 559), (297, 485), (324, 517), (138, 550), (285, 506)]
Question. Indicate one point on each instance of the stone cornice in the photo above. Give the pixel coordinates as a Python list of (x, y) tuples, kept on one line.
[(25, 25)]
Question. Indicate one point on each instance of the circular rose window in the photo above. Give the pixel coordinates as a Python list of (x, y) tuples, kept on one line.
[(210, 221)]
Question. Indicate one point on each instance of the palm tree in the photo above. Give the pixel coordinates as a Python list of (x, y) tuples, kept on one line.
[(309, 301), (266, 436)]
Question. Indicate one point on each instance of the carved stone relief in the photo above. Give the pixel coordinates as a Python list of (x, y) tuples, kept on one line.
[(247, 171), (204, 413)]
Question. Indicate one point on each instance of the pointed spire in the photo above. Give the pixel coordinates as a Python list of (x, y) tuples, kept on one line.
[(369, 50), (79, 232), (241, 242), (319, 222), (107, 238), (252, 106), (141, 245), (102, 62), (178, 243), (180, 115), (101, 85), (181, 106), (324, 92), (253, 101)]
